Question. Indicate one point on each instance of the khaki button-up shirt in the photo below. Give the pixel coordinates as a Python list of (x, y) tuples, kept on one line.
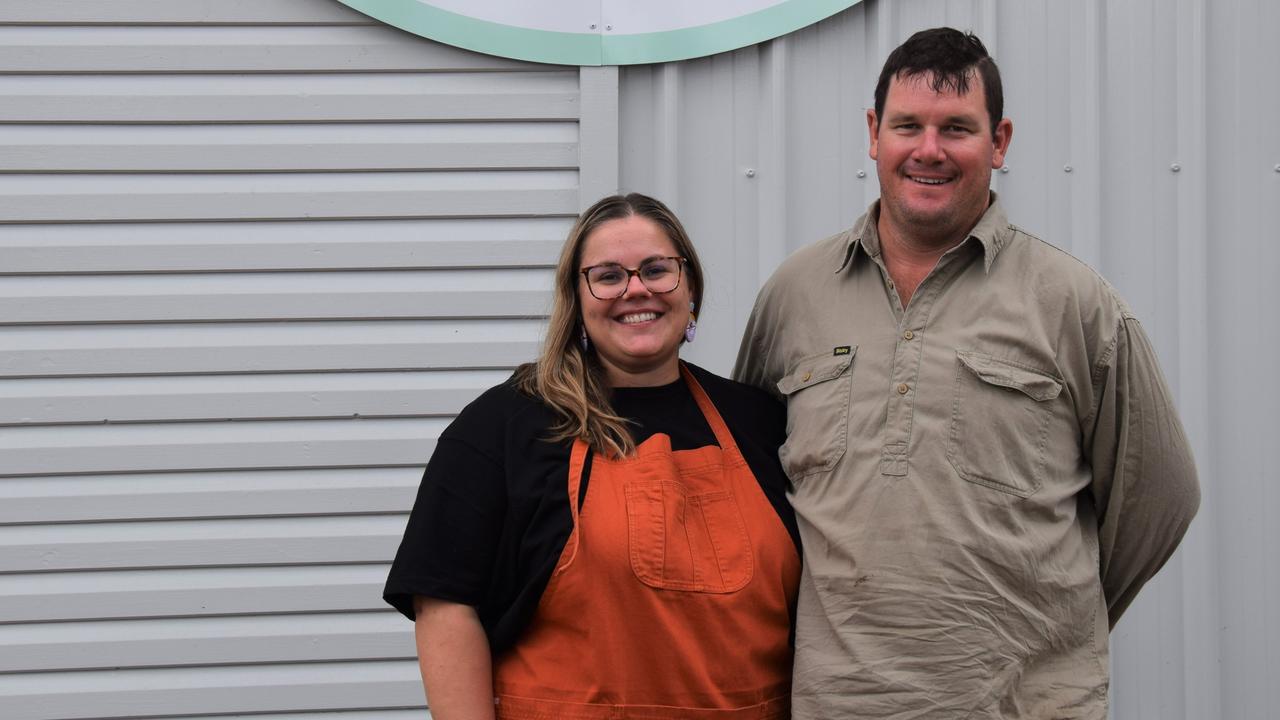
[(983, 479)]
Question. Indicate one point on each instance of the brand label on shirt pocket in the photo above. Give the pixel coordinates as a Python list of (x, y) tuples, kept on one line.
[(1000, 421), (817, 390)]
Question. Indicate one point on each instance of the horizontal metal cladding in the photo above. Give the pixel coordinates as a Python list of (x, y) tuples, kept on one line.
[(170, 49), (149, 692), (133, 197), (334, 147), (263, 296), (167, 12), (190, 592), (177, 642), (176, 348), (74, 248), (254, 258), (208, 494), (307, 98)]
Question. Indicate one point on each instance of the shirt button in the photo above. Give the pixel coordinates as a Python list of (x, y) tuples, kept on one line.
[(902, 388), (908, 335), (806, 377), (889, 284)]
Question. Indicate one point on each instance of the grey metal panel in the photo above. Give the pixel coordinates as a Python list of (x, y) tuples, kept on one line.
[(200, 543), (259, 493), (224, 397), (258, 296), (282, 245), (161, 447), (84, 198), (141, 12), (760, 150), (168, 49), (101, 694), (322, 238), (61, 350), (299, 97), (175, 642), (277, 148), (189, 592)]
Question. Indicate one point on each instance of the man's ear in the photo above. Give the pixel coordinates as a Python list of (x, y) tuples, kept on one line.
[(1001, 139), (873, 129)]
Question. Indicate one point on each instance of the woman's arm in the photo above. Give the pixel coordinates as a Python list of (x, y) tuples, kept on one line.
[(453, 654)]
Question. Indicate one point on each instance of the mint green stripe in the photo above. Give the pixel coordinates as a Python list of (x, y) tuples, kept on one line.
[(547, 46), (723, 36), (566, 48)]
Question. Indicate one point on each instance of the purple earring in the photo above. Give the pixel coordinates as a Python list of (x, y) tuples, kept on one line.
[(691, 329)]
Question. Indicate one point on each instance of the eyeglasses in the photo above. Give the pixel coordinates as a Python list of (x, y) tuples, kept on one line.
[(609, 281)]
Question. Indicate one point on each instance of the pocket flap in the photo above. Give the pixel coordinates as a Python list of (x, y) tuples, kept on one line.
[(1036, 385), (815, 369)]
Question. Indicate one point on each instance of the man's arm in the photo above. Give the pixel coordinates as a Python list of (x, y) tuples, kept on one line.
[(1144, 478), (752, 364)]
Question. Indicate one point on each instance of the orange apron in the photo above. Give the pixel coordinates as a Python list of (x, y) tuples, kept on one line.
[(672, 599)]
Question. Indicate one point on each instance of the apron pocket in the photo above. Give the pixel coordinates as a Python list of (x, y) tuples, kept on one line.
[(684, 541)]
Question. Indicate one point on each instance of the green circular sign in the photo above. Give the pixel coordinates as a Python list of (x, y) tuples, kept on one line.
[(599, 32)]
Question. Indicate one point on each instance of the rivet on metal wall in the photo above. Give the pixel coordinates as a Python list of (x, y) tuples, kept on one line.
[(1067, 168), (1277, 168), (863, 173), (1004, 168), (608, 27), (751, 172), (593, 26), (1175, 167)]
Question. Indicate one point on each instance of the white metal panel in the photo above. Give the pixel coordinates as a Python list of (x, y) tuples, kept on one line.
[(168, 12), (101, 694), (1144, 144), (175, 642), (163, 349), (258, 493), (170, 49), (282, 245), (190, 592), (253, 258), (271, 148), (324, 96)]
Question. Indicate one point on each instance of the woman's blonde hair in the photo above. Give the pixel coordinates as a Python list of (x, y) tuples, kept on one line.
[(570, 379)]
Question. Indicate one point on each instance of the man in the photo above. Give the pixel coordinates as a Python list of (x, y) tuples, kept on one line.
[(985, 460)]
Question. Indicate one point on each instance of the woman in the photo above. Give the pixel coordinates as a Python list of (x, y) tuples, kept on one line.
[(606, 535)]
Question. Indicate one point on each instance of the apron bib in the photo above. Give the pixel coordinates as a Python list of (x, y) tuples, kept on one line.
[(670, 600)]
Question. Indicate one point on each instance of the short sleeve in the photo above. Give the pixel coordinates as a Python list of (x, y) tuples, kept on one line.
[(451, 540)]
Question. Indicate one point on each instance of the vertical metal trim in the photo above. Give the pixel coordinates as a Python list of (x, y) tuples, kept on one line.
[(597, 134)]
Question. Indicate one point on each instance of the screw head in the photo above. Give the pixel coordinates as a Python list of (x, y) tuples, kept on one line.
[(1067, 168), (1175, 167), (1004, 168), (608, 27), (751, 172), (862, 173), (593, 26), (1277, 168)]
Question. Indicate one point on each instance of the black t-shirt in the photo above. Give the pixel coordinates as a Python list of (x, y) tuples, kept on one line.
[(492, 514)]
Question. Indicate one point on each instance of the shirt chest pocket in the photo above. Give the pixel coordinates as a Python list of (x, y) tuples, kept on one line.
[(817, 391), (1000, 423)]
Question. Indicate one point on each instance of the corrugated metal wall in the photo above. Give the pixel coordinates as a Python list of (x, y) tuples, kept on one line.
[(253, 256), (1145, 143)]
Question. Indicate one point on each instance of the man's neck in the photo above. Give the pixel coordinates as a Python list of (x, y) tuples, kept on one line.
[(910, 258)]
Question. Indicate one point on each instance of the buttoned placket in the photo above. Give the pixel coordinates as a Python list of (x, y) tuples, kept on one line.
[(908, 354)]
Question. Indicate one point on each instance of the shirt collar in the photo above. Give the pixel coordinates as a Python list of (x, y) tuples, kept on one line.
[(992, 232)]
